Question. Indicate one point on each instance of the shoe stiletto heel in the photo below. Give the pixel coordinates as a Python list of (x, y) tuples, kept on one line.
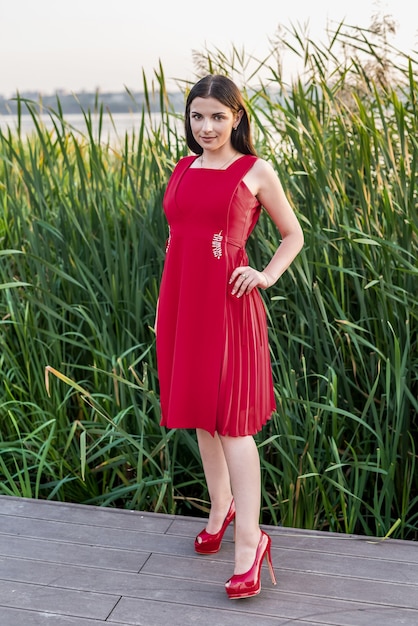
[(206, 543), (249, 584)]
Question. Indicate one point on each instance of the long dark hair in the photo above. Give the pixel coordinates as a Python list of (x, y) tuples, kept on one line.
[(225, 90)]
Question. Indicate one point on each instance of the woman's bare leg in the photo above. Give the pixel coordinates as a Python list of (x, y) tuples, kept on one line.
[(243, 463), (217, 478)]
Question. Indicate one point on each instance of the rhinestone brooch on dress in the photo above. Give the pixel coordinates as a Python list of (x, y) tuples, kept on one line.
[(217, 245)]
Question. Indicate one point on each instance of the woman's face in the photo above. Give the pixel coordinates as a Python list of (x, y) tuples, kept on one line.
[(212, 122)]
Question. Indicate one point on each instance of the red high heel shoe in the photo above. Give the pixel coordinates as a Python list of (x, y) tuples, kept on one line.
[(249, 584), (205, 543)]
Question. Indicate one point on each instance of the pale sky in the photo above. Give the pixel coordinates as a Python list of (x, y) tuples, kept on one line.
[(87, 44)]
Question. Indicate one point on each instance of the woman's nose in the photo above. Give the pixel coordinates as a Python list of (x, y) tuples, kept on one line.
[(207, 124)]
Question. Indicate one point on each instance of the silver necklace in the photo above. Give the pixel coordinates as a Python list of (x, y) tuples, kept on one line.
[(222, 166)]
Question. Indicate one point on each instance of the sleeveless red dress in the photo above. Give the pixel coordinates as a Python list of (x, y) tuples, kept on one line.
[(212, 350)]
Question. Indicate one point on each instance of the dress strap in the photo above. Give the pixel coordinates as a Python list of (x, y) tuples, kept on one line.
[(180, 168), (237, 171), (243, 164)]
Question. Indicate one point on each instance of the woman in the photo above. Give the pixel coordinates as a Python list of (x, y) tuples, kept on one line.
[(212, 351)]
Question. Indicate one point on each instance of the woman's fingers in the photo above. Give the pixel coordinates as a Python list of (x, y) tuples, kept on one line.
[(245, 279)]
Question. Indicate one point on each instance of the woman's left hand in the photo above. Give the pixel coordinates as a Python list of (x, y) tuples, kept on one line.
[(245, 278)]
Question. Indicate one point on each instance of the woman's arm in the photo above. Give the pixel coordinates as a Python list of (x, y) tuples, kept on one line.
[(264, 183)]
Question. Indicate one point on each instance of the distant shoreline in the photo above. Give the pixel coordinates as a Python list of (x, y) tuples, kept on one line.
[(75, 103)]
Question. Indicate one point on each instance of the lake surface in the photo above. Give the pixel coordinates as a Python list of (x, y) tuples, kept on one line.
[(113, 129)]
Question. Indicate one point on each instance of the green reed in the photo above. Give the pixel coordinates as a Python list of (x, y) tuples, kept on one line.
[(83, 238)]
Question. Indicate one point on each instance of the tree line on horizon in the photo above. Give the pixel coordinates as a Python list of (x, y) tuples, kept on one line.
[(77, 103)]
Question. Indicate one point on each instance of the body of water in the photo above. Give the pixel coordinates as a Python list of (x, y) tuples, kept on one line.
[(113, 128)]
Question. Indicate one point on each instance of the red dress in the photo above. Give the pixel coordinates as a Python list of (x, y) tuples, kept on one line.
[(212, 350)]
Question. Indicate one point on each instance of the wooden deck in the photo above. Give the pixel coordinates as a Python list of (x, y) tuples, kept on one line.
[(68, 564)]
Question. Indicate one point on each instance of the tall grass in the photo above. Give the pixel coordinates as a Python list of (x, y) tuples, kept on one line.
[(83, 238)]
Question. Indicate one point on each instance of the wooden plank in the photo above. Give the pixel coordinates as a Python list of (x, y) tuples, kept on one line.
[(72, 553), (82, 514), (22, 617), (55, 600), (381, 567), (150, 613)]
